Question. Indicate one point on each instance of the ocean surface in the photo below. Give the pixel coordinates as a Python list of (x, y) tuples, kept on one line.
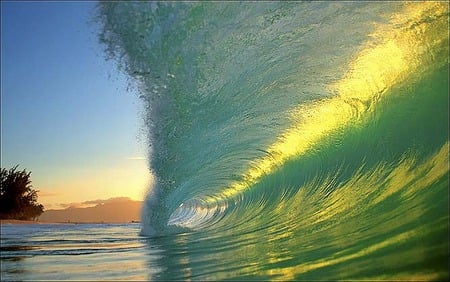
[(76, 252), (288, 141)]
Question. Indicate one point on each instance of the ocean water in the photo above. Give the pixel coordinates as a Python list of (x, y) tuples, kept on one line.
[(75, 252), (288, 140)]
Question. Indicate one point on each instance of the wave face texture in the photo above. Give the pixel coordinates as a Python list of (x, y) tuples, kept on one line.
[(299, 140)]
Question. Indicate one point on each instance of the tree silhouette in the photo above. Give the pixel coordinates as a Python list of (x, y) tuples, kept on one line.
[(17, 198)]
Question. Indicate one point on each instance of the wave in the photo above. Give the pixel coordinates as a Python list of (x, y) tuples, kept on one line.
[(291, 118)]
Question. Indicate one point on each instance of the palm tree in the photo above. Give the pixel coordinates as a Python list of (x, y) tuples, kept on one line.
[(18, 199)]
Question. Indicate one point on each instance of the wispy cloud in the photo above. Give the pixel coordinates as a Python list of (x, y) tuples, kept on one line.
[(92, 203), (137, 158)]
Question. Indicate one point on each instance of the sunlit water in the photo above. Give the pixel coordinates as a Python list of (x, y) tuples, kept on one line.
[(288, 140), (75, 252)]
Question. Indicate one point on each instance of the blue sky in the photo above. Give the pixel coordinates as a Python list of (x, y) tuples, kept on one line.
[(66, 112)]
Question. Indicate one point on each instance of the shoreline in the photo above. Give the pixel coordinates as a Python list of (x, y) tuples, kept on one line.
[(22, 222), (31, 222)]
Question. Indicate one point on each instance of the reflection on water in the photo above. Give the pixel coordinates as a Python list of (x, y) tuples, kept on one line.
[(15, 248), (68, 252)]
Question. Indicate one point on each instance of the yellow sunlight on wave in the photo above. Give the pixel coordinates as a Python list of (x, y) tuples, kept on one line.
[(393, 53), (355, 197)]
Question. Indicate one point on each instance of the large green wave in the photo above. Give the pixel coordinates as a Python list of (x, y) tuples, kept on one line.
[(300, 140)]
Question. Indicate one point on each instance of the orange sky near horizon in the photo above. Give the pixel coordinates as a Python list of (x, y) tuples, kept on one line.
[(73, 188)]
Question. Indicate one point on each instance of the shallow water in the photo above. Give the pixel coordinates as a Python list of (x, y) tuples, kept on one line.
[(74, 252)]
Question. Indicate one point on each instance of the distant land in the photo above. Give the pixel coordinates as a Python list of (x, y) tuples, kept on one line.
[(109, 211)]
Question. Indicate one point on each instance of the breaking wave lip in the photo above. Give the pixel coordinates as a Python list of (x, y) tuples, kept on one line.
[(215, 134)]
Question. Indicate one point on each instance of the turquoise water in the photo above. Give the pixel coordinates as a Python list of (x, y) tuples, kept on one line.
[(289, 141), (292, 141)]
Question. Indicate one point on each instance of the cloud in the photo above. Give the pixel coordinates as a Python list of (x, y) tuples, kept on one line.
[(110, 200), (92, 203), (137, 158)]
